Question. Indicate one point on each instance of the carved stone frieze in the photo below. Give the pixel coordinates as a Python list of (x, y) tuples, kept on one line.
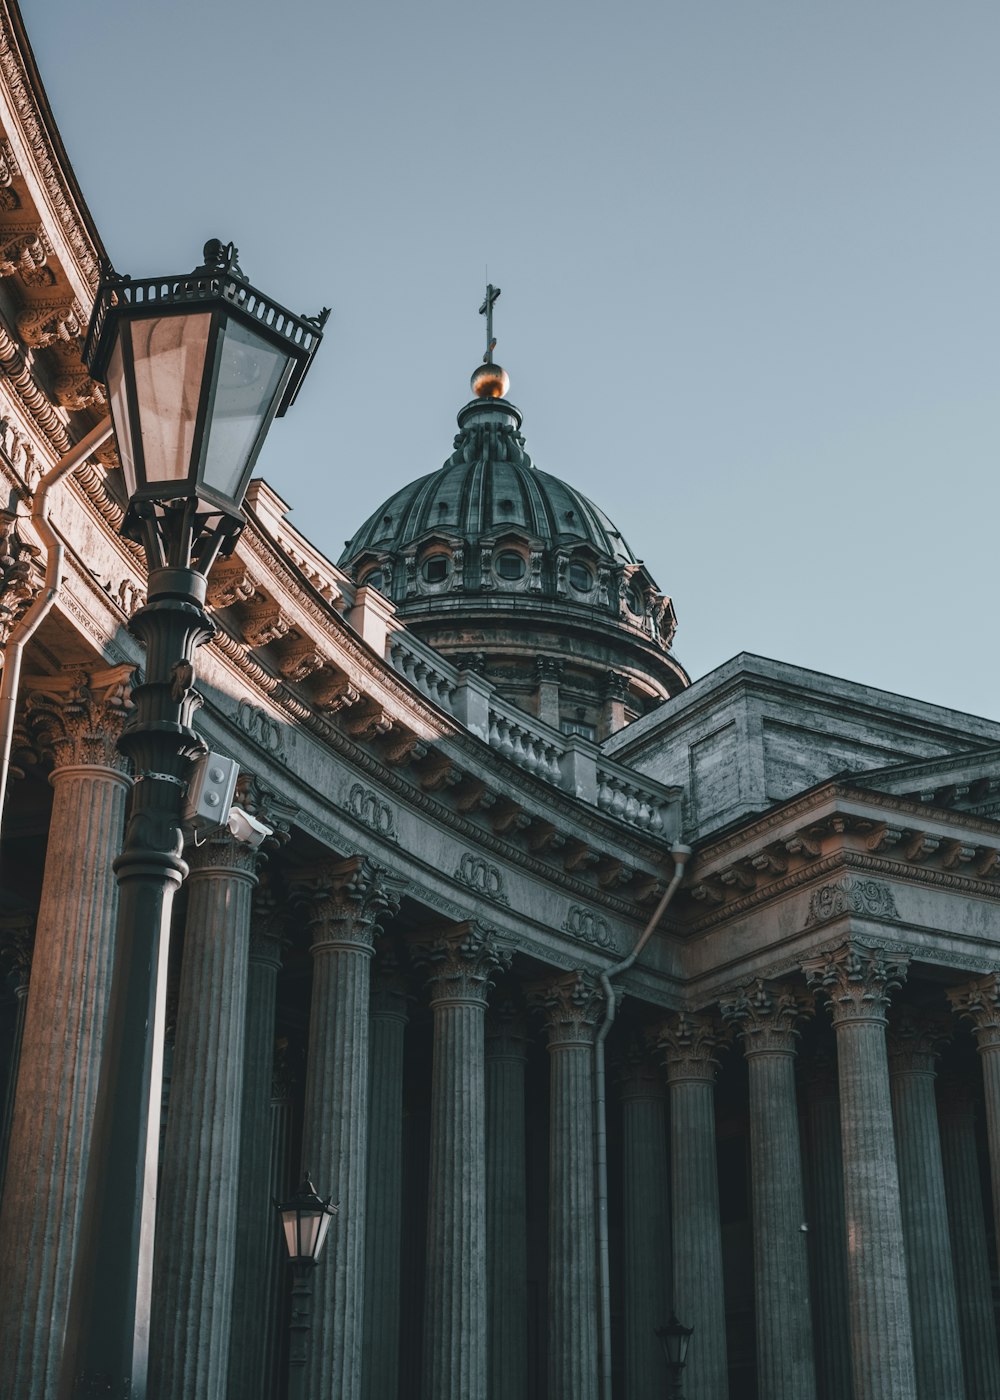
[(856, 980), (591, 927), (261, 728), (767, 1015), (479, 875), (851, 894), (366, 806)]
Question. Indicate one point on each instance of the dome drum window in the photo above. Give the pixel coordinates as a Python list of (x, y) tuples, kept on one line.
[(375, 578), (510, 565), (435, 568), (634, 601), (580, 578)]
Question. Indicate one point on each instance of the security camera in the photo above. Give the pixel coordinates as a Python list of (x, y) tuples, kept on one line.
[(247, 828)]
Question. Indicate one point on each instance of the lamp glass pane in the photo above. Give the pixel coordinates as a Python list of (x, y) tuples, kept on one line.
[(251, 372), (324, 1226), (309, 1232), (118, 404), (289, 1223), (169, 355)]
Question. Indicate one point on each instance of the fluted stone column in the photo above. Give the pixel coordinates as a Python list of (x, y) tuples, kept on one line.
[(979, 1002), (506, 1200), (287, 1072), (967, 1228), (827, 1231), (78, 719), (256, 1216), (17, 939), (767, 1017), (646, 1220), (344, 903), (857, 982), (199, 1177), (390, 1012), (460, 965), (688, 1044), (572, 1005), (914, 1043)]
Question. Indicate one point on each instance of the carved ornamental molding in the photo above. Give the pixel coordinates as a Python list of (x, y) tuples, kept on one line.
[(851, 894), (77, 716)]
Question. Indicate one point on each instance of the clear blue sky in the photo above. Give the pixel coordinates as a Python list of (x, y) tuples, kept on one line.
[(748, 256)]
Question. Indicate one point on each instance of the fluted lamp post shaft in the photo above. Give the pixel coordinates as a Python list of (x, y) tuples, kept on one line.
[(196, 367)]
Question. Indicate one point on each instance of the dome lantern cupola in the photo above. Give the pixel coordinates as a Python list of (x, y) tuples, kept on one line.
[(500, 566)]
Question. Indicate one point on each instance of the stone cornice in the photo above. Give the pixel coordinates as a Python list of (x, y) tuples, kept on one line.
[(41, 139)]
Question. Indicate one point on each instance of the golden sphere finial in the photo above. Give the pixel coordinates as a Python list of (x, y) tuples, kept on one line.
[(490, 381)]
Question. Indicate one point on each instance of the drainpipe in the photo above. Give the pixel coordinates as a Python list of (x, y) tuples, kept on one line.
[(26, 626), (681, 855)]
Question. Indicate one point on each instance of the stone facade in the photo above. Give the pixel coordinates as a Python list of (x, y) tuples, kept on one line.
[(403, 993)]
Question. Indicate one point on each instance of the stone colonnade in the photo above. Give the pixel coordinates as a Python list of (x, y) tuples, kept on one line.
[(871, 1272)]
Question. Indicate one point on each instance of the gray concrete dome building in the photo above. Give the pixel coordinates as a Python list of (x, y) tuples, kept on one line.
[(510, 571)]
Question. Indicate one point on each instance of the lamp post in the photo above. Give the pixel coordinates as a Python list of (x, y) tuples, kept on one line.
[(305, 1219), (674, 1339), (196, 368)]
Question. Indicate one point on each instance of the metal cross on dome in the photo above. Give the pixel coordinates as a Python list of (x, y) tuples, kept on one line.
[(487, 310)]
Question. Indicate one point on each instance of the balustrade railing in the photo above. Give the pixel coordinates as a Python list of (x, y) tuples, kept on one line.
[(572, 765)]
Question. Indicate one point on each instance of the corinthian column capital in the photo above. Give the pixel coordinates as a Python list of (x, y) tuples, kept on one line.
[(345, 902), (767, 1016), (461, 964), (77, 716), (857, 981), (687, 1043), (915, 1041), (268, 924), (572, 1005), (17, 941), (978, 1001)]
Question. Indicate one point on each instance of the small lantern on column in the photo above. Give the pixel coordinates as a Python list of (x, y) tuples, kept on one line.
[(674, 1339), (305, 1220)]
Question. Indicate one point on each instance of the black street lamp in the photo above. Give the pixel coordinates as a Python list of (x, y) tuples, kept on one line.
[(305, 1220), (674, 1339), (196, 368)]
